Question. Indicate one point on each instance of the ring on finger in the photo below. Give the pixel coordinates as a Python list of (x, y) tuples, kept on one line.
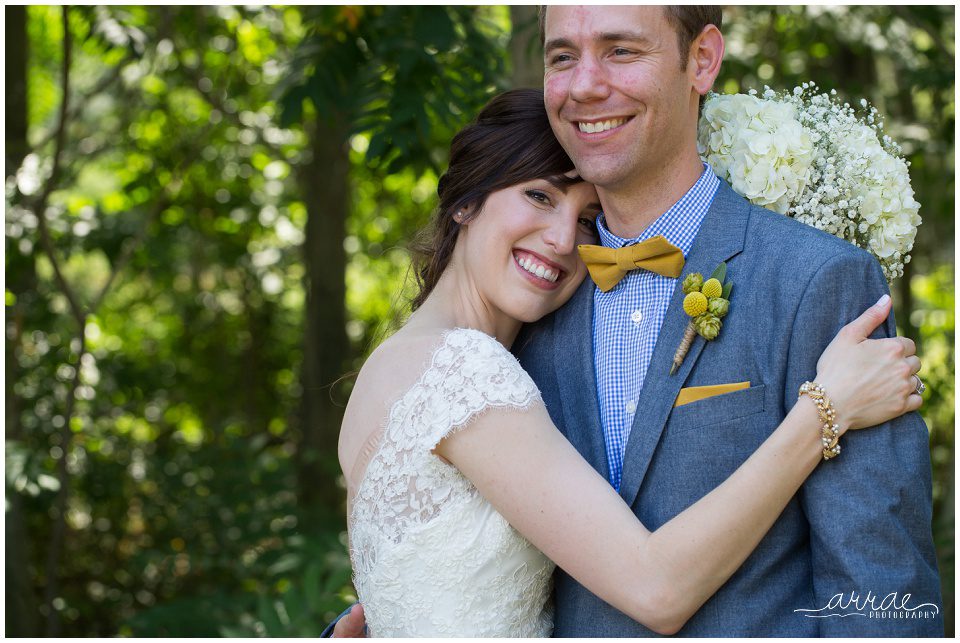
[(921, 387)]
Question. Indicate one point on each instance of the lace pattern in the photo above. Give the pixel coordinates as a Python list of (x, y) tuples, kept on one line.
[(430, 555)]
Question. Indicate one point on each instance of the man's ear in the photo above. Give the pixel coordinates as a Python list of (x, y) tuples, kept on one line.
[(706, 54)]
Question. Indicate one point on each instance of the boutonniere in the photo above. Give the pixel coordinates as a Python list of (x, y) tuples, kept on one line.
[(706, 303)]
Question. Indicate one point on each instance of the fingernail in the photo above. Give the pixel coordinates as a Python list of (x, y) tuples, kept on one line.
[(883, 300)]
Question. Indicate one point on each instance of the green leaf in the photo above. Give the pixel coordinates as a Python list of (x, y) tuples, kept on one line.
[(720, 273), (727, 287)]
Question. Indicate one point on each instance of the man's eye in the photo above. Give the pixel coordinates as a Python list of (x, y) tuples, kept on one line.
[(620, 51), (537, 195), (559, 59)]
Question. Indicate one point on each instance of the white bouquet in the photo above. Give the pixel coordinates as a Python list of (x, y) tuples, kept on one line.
[(810, 157)]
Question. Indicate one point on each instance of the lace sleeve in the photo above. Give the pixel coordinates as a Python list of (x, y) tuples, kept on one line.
[(472, 372)]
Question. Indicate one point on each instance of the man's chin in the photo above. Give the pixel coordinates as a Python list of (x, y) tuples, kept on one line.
[(603, 175)]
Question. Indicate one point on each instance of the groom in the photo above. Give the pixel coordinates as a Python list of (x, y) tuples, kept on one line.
[(622, 86), (860, 525)]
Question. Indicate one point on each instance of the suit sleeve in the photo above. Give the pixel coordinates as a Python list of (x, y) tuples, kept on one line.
[(870, 508)]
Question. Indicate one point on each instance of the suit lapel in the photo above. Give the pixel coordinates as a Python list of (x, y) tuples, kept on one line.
[(576, 375), (721, 237)]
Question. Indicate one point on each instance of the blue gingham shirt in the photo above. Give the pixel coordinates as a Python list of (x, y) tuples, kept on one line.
[(627, 318)]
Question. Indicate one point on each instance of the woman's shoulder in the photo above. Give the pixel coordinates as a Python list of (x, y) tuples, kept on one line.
[(424, 357), (419, 349)]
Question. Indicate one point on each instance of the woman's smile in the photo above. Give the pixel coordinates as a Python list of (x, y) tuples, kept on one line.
[(538, 270)]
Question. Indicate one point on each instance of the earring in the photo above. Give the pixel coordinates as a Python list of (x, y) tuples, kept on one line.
[(458, 217)]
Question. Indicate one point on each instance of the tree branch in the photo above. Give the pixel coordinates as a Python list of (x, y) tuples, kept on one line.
[(105, 81), (40, 208), (60, 524)]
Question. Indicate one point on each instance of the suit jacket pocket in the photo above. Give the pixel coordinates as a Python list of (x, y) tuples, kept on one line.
[(717, 409)]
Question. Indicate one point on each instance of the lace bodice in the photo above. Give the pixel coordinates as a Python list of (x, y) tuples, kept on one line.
[(430, 556)]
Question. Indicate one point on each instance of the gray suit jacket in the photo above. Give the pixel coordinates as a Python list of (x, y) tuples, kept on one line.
[(861, 523)]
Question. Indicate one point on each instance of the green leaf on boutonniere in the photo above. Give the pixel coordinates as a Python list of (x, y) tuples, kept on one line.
[(720, 273)]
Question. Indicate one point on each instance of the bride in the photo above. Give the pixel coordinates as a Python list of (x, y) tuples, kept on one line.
[(463, 495)]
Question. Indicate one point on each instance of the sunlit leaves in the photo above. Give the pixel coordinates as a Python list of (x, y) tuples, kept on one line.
[(410, 76)]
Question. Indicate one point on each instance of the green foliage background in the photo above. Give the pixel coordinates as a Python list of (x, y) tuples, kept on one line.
[(159, 264)]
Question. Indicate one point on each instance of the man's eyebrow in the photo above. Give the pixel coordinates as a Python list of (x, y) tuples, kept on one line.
[(634, 36)]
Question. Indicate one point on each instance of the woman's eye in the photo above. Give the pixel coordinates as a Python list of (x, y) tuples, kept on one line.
[(538, 196), (589, 224)]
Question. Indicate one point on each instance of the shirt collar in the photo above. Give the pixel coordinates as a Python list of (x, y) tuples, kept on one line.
[(680, 223)]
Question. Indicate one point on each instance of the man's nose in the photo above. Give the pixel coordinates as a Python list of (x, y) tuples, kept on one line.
[(589, 80)]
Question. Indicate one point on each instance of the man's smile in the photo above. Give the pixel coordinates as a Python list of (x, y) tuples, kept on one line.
[(595, 126)]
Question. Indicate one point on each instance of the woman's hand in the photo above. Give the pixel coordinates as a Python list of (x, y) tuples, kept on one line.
[(869, 381)]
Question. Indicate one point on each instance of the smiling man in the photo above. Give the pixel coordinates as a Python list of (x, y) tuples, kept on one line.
[(622, 89)]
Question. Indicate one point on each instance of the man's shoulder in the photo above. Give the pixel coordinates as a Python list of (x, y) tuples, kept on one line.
[(778, 238)]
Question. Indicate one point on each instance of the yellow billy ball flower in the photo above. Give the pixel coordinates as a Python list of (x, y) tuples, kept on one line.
[(712, 288), (695, 304)]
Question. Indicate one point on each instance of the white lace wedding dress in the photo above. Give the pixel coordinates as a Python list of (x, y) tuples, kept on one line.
[(430, 556)]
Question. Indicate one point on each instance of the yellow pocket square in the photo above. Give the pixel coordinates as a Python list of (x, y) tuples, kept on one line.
[(694, 393)]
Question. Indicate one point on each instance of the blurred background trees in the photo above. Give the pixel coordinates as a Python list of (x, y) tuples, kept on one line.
[(206, 210)]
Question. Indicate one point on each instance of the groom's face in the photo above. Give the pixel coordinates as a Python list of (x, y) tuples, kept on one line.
[(616, 93)]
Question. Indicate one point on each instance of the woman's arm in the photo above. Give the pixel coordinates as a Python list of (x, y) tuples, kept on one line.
[(528, 471)]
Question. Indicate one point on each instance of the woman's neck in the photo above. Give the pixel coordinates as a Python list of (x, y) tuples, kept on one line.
[(455, 302)]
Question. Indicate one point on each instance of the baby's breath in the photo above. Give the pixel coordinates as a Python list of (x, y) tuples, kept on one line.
[(809, 156)]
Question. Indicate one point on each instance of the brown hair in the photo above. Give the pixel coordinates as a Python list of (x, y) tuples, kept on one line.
[(509, 142), (687, 20)]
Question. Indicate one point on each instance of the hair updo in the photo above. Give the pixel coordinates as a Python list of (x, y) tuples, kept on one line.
[(510, 142)]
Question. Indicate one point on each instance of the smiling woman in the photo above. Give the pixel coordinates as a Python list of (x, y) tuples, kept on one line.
[(485, 157)]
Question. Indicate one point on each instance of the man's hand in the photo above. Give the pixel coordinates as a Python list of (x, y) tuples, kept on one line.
[(351, 626)]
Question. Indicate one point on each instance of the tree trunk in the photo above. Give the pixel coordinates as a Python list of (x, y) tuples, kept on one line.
[(525, 50), (325, 189), (15, 101), (20, 603)]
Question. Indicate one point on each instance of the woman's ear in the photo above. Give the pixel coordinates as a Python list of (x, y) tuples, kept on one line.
[(463, 214)]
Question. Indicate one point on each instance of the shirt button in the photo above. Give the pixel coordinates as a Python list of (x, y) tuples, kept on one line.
[(631, 406), (636, 316)]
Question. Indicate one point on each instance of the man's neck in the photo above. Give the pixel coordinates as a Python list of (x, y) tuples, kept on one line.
[(629, 209)]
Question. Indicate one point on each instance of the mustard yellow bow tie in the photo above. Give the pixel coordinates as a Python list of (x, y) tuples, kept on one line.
[(608, 266)]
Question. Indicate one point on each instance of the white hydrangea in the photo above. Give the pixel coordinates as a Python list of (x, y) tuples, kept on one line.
[(809, 156), (759, 147)]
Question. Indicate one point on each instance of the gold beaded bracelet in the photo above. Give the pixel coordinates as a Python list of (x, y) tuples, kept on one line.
[(829, 430)]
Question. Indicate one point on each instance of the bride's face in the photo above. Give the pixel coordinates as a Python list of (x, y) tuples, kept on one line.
[(521, 249)]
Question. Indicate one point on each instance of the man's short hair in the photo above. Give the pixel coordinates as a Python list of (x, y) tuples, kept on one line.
[(687, 20)]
